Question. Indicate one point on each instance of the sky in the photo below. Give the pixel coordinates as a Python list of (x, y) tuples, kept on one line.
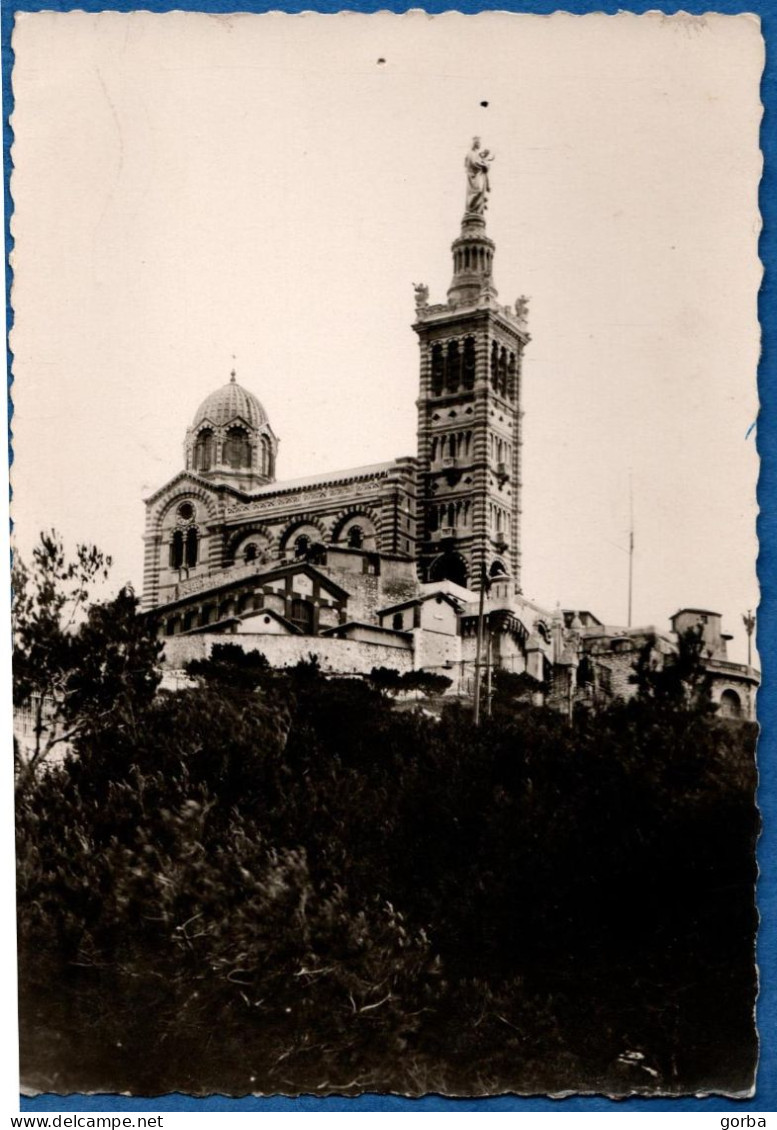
[(196, 192)]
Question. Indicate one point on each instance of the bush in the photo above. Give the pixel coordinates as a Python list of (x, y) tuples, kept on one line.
[(272, 881)]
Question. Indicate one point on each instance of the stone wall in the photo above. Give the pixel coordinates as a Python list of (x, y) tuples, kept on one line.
[(369, 633), (339, 657), (613, 674), (363, 593), (434, 649), (368, 592)]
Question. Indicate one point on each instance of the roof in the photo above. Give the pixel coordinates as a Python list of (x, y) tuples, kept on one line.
[(372, 470), (695, 612), (197, 481), (231, 402), (262, 576), (460, 592), (333, 631), (328, 478), (582, 613), (255, 612), (230, 620), (214, 627), (455, 604)]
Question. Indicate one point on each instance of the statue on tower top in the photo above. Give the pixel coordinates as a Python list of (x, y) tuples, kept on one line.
[(477, 164)]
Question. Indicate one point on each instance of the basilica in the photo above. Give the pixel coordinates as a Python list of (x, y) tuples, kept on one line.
[(411, 564)]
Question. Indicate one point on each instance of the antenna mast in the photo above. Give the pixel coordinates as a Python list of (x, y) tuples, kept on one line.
[(631, 545)]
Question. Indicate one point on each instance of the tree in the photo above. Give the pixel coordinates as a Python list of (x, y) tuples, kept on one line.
[(48, 597), (229, 663), (295, 886), (115, 668), (74, 664), (386, 679), (675, 682), (390, 681), (427, 682)]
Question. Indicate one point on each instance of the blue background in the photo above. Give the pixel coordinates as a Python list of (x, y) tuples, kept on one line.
[(765, 1099)]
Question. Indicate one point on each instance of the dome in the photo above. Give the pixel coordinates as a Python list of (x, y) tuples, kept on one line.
[(228, 402)]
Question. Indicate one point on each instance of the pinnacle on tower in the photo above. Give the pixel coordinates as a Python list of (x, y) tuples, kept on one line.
[(473, 251)]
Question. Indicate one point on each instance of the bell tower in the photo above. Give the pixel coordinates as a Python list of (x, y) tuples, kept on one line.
[(469, 409)]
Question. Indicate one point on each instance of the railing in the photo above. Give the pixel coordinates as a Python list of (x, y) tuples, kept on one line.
[(726, 666)]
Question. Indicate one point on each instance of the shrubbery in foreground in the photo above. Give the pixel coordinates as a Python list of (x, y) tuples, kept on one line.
[(274, 882)]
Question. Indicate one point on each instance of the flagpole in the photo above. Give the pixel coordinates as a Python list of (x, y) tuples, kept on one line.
[(479, 648), (631, 546)]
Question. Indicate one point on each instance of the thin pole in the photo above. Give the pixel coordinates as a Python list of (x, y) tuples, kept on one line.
[(488, 670), (631, 546), (479, 649)]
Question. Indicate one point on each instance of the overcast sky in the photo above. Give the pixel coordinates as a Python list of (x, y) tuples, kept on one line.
[(191, 187)]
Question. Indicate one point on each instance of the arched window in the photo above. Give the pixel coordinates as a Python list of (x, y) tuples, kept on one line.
[(498, 569), (302, 615), (453, 375), (355, 537), (176, 550), (502, 383), (449, 567), (730, 705), (265, 456), (511, 389), (203, 451), (192, 546), (251, 552), (301, 545), (494, 364), (397, 622), (585, 672), (237, 449), (438, 370), (469, 362)]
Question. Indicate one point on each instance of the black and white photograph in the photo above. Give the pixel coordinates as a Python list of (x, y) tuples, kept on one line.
[(384, 552)]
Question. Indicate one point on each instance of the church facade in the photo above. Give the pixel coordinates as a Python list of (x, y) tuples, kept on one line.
[(393, 564)]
